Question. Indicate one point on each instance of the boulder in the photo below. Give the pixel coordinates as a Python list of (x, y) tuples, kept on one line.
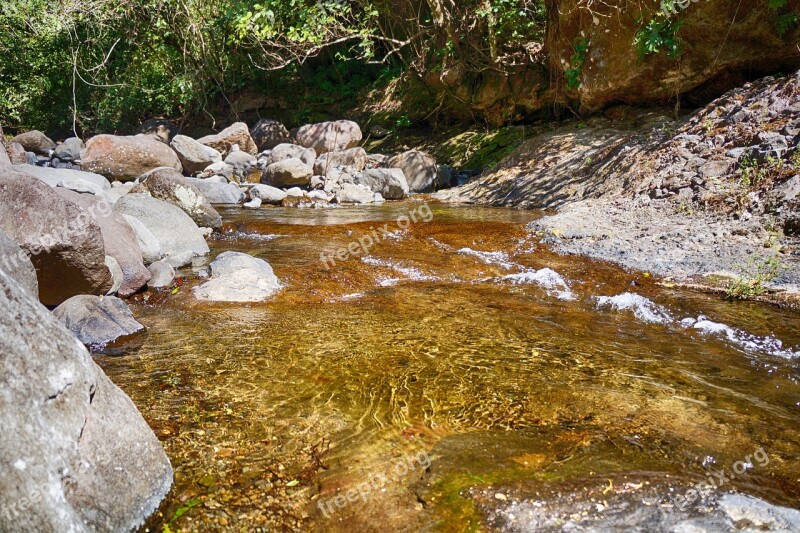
[(237, 134), (65, 243), (244, 166), (218, 192), (390, 182), (352, 160), (126, 158), (70, 150), (17, 265), (175, 230), (56, 177), (75, 454), (238, 277), (194, 157), (161, 275), (354, 194), (419, 168), (148, 243), (35, 141), (267, 194), (4, 159), (330, 136), (268, 134), (119, 239), (159, 129), (17, 154), (169, 185), (282, 152), (97, 320), (287, 173)]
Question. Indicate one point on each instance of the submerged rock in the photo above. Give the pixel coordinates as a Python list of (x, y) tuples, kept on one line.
[(97, 320), (238, 277), (74, 451)]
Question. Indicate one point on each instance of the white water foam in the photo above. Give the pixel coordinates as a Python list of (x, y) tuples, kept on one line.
[(490, 258), (642, 308), (410, 273), (747, 341), (649, 311), (553, 282)]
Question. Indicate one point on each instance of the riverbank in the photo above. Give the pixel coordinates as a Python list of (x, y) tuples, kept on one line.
[(709, 200)]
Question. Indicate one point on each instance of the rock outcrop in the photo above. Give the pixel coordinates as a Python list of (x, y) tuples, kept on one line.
[(194, 156), (330, 136)]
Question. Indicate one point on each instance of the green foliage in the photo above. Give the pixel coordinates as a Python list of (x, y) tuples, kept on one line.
[(573, 73), (515, 21), (786, 17), (659, 35), (754, 282)]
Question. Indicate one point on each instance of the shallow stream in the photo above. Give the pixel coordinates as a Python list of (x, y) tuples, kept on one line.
[(456, 367)]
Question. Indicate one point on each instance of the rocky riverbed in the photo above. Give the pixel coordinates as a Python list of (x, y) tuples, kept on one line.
[(297, 317), (703, 199)]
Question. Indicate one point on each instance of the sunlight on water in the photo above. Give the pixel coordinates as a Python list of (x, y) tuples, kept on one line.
[(462, 338)]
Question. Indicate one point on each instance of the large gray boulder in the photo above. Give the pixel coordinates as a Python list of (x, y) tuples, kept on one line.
[(65, 243), (330, 136), (419, 168), (175, 231), (285, 151), (63, 177), (97, 321), (148, 243), (17, 154), (390, 182), (354, 194), (126, 158), (268, 134), (237, 134), (169, 185), (238, 277), (75, 454), (287, 173), (194, 157), (217, 191), (352, 160), (17, 265), (70, 150), (119, 239), (35, 141)]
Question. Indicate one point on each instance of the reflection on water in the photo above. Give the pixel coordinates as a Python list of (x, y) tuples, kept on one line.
[(452, 338)]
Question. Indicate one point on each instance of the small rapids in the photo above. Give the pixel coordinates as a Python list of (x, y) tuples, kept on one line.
[(519, 372)]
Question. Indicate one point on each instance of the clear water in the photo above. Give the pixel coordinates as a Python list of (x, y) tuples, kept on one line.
[(461, 341)]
